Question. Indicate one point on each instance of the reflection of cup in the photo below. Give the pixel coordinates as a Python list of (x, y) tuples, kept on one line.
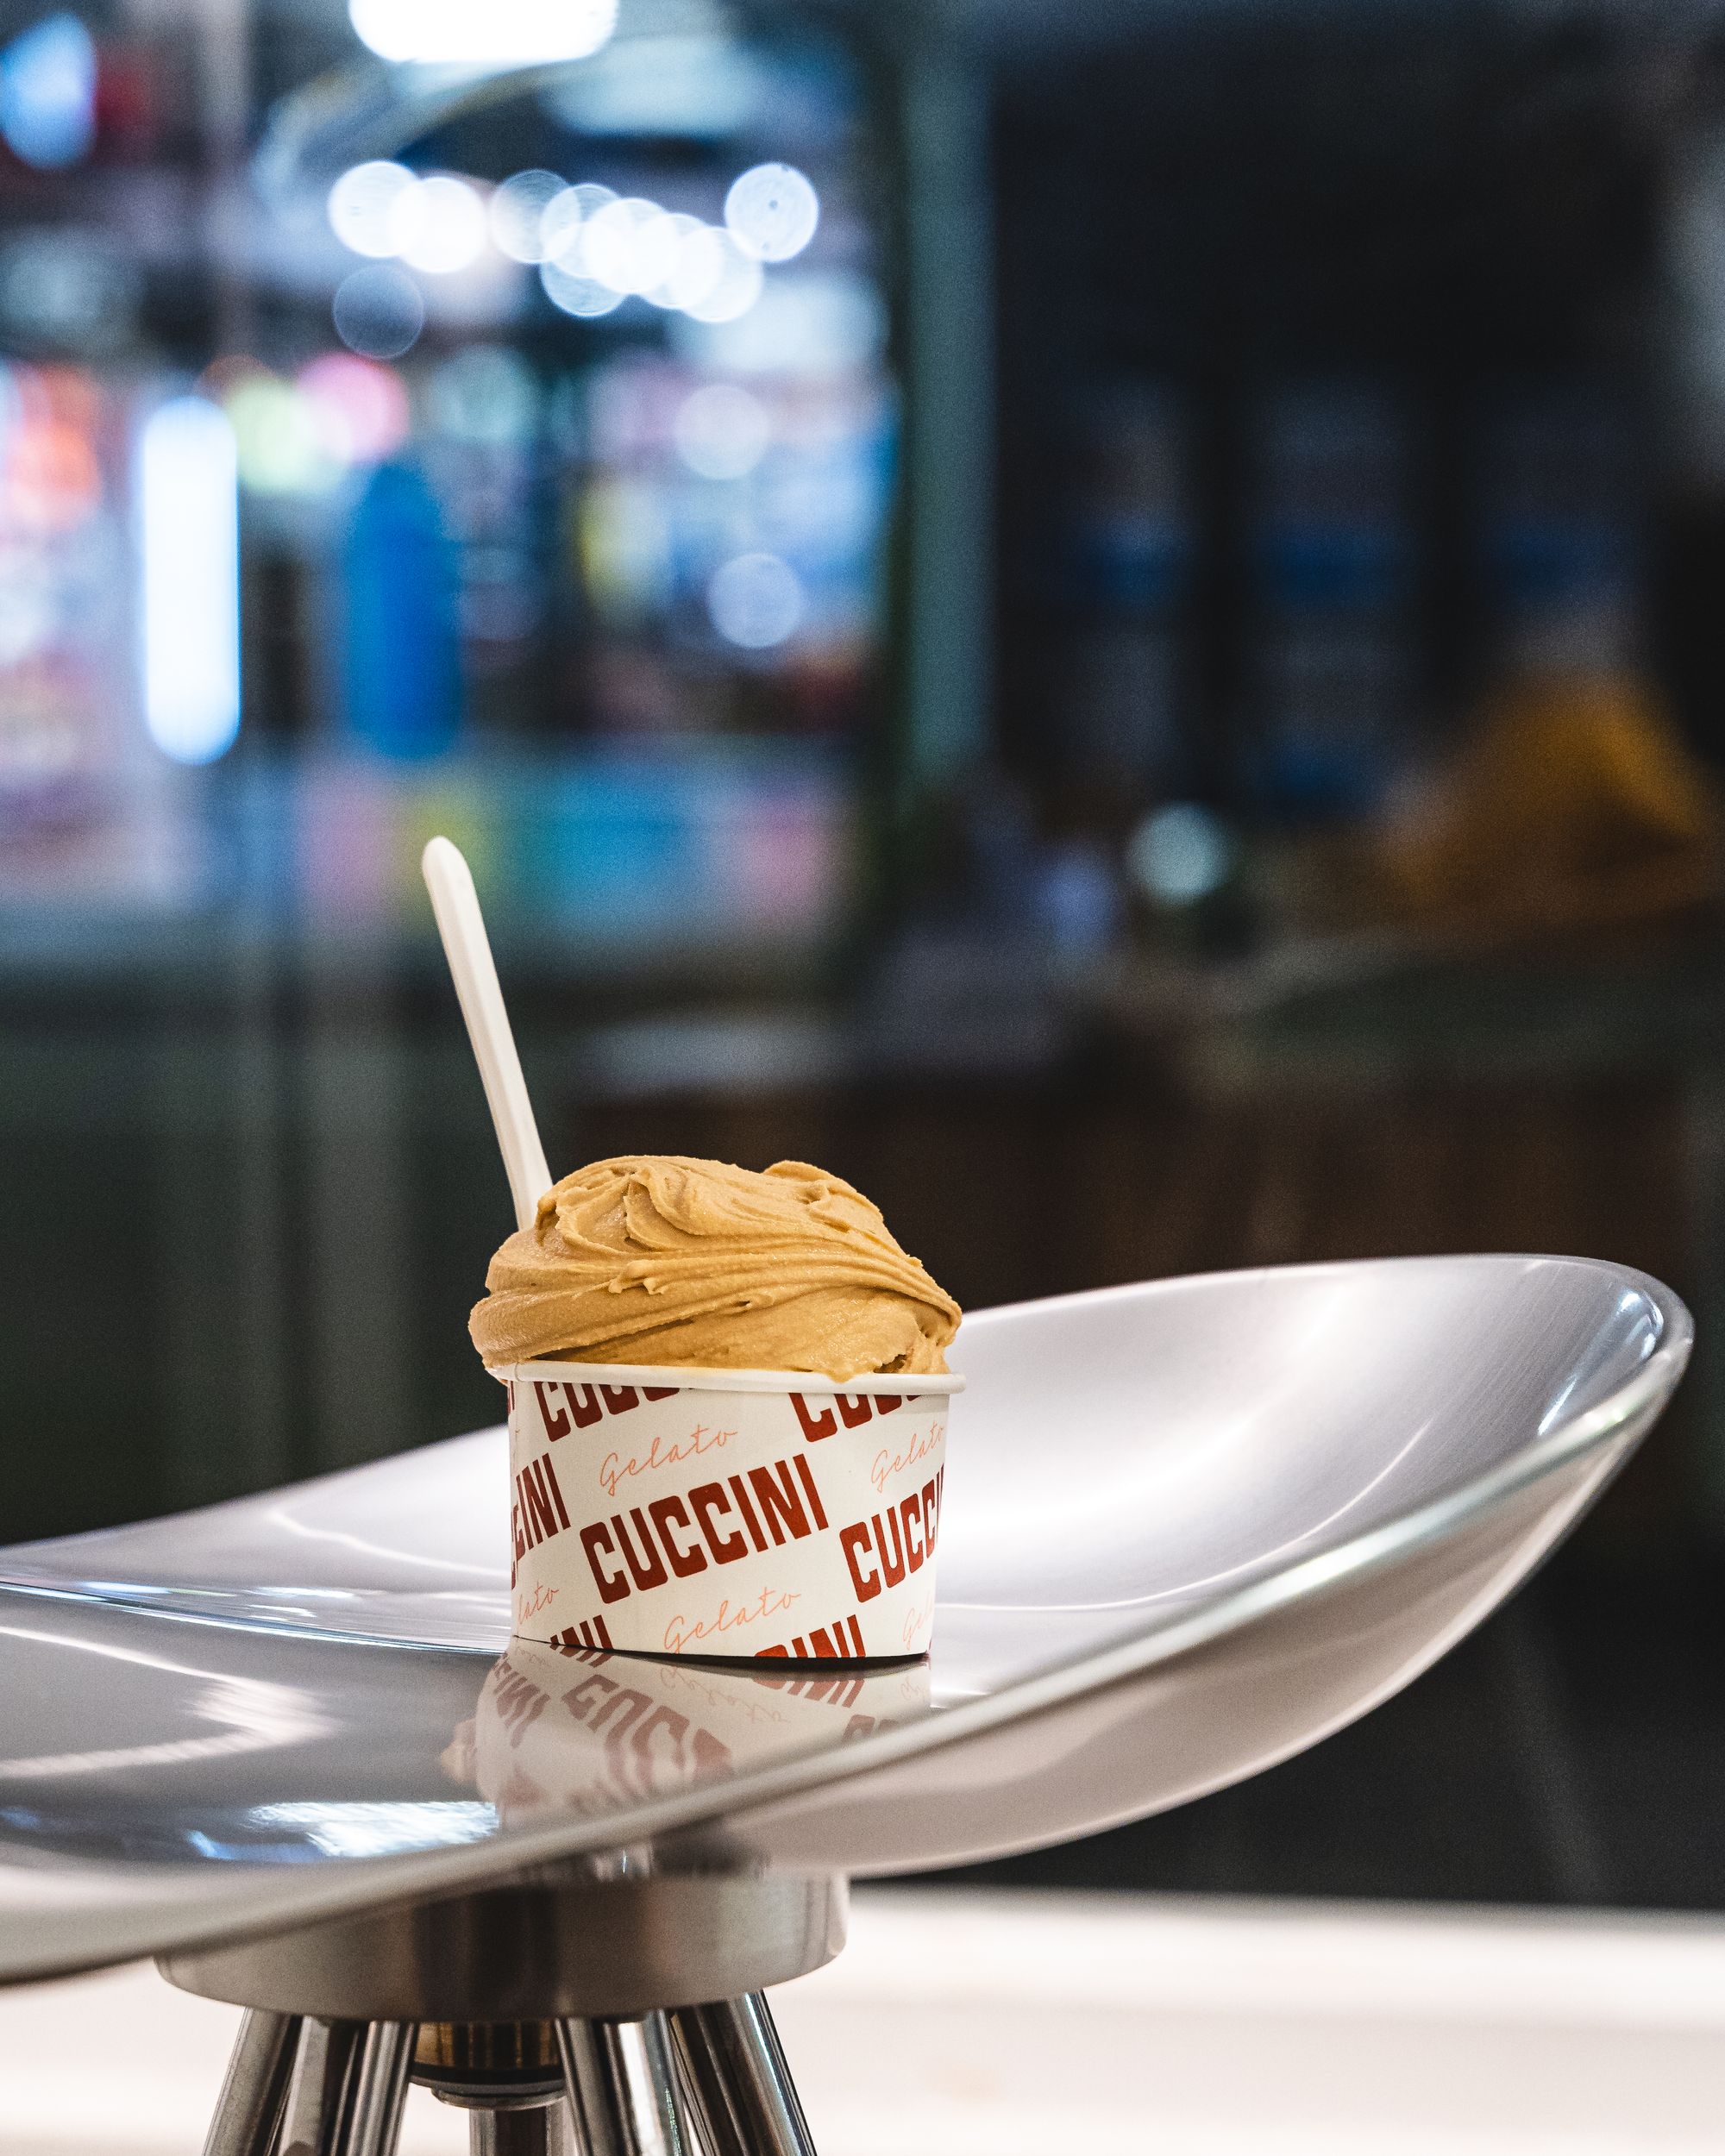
[(577, 1729), (725, 1513)]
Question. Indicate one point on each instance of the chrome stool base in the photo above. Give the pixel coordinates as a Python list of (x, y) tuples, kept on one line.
[(327, 2049), (298, 2086)]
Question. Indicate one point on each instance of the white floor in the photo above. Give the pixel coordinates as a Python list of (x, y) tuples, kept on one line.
[(994, 2025)]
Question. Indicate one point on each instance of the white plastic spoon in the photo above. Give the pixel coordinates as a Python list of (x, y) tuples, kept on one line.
[(461, 925)]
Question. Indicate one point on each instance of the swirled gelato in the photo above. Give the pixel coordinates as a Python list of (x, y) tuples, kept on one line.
[(655, 1259)]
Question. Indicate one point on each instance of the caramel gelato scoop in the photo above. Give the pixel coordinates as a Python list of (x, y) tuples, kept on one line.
[(651, 1259)]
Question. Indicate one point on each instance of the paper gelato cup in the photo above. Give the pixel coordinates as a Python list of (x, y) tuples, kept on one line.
[(725, 1513)]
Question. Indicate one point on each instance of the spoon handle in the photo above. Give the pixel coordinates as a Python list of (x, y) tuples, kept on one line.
[(461, 925)]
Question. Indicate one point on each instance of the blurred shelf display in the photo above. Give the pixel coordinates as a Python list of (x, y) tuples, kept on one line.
[(1331, 662), (604, 849), (511, 449)]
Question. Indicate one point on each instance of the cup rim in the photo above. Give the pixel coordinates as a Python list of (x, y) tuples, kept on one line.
[(689, 1377)]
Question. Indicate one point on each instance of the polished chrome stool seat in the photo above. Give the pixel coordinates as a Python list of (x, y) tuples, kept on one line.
[(287, 1745)]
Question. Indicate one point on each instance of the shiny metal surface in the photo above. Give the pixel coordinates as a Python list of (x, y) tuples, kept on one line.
[(623, 2087), (543, 2131), (734, 2072), (1191, 1527), (385, 2055), (250, 2102), (318, 2090), (507, 2064), (536, 1951)]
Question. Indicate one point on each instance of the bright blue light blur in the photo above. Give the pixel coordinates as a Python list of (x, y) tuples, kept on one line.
[(189, 535), (47, 93)]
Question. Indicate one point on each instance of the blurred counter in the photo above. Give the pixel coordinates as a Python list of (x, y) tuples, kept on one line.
[(953, 2025)]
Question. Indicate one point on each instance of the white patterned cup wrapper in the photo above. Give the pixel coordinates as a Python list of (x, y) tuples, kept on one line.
[(725, 1513)]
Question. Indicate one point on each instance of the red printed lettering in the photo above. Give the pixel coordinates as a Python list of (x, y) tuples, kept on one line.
[(897, 1559), (648, 1570), (583, 1405), (911, 1510), (930, 1511), (747, 1511), (780, 1507), (662, 1512), (854, 1541), (613, 1586), (708, 1499), (805, 1476), (535, 1504), (814, 1426)]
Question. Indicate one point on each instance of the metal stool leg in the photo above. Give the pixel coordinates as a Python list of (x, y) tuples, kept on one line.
[(735, 2071), (542, 2131), (317, 2093), (623, 2087), (249, 2106), (372, 2125)]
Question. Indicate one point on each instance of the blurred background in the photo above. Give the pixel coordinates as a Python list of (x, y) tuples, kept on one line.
[(1106, 619)]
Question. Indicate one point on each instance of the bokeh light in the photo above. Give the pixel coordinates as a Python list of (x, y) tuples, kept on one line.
[(12, 379), (696, 265), (771, 212), (631, 246), (808, 323), (50, 481), (438, 225), (47, 93), (361, 203), (516, 214), (574, 294), (754, 601), (1180, 854), (564, 221), (378, 311), (486, 393), (359, 408), (65, 285), (734, 289), (721, 431), (189, 561), (595, 242), (279, 446), (483, 33)]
